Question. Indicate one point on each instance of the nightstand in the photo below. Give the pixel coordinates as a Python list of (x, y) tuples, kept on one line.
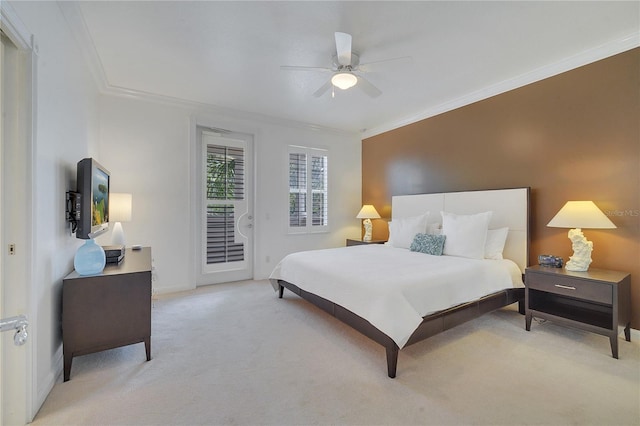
[(351, 242), (597, 300)]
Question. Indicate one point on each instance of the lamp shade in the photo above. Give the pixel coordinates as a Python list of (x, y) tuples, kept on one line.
[(581, 214), (344, 80), (368, 212), (119, 207)]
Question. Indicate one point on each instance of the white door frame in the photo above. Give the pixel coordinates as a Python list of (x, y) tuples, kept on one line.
[(244, 231), (196, 203), (243, 209), (17, 370), (2, 380)]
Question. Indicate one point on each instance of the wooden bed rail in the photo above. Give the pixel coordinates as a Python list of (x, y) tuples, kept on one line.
[(431, 324)]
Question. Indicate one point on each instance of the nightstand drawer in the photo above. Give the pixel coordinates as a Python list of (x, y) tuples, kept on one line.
[(579, 289)]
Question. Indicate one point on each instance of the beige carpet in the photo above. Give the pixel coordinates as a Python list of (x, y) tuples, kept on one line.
[(235, 354)]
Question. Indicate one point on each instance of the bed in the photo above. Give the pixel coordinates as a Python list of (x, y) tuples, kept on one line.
[(414, 287)]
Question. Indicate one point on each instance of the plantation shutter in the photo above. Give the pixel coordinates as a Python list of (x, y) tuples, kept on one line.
[(297, 189), (308, 187), (319, 190), (225, 184)]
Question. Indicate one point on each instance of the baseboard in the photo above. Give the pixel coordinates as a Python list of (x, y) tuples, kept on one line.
[(635, 335), (47, 384), (167, 290)]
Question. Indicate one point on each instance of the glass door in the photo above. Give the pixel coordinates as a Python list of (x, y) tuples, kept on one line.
[(227, 216)]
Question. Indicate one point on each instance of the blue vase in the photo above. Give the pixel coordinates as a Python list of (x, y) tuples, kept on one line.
[(89, 258)]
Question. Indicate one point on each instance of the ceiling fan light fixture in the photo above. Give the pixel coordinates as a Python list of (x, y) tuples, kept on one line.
[(344, 80)]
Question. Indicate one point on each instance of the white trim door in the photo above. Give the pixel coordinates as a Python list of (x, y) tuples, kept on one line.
[(2, 280), (226, 208), (17, 70)]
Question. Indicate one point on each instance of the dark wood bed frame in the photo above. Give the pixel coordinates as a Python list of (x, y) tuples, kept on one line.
[(430, 326)]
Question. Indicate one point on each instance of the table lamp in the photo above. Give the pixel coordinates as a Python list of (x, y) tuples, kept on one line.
[(578, 215), (367, 212), (119, 211)]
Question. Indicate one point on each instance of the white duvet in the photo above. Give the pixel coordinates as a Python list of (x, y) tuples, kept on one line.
[(394, 288)]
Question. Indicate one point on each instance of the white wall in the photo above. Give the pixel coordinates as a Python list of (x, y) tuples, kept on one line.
[(148, 148), (66, 131)]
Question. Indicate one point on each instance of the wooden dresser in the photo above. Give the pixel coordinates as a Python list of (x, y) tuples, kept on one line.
[(107, 310)]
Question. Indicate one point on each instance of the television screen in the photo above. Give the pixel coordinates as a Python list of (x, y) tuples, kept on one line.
[(93, 187), (100, 196)]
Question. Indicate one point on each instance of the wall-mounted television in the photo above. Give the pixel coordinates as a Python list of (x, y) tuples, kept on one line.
[(93, 187)]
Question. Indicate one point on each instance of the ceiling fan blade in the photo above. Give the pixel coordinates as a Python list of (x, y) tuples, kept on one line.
[(367, 87), (343, 48), (321, 91), (370, 66), (298, 68)]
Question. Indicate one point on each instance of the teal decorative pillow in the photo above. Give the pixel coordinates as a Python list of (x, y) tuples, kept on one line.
[(428, 244)]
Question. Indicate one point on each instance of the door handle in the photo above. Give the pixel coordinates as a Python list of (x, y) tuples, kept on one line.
[(19, 324)]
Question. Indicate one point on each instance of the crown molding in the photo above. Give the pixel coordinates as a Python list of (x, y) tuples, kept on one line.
[(75, 19), (603, 51), (77, 24), (15, 29), (228, 113), (73, 15)]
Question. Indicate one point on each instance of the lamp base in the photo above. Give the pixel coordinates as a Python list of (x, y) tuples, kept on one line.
[(117, 235), (582, 249), (368, 227)]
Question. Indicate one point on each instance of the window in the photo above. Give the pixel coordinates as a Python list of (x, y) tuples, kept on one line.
[(308, 189)]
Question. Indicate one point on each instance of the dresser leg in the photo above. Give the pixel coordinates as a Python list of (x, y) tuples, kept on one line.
[(527, 321), (147, 347), (67, 366), (614, 345)]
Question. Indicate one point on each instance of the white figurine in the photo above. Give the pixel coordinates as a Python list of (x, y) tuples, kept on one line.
[(367, 230), (582, 249)]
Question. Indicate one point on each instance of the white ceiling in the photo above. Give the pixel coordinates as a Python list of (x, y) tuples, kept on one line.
[(228, 54)]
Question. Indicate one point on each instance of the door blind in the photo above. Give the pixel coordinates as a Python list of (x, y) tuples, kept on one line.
[(225, 184), (225, 173), (221, 245)]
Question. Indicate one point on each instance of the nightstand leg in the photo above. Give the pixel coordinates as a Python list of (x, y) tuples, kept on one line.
[(627, 332), (527, 321), (614, 346)]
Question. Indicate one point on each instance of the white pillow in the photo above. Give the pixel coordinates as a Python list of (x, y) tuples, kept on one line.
[(493, 247), (466, 234), (403, 230), (434, 228)]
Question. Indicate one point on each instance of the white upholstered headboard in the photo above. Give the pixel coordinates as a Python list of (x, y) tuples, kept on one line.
[(510, 208)]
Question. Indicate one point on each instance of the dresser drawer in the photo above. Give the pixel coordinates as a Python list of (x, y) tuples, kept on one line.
[(572, 287)]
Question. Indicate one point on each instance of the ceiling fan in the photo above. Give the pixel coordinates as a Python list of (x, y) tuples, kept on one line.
[(347, 70)]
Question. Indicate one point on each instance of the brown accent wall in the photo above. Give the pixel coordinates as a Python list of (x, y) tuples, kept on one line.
[(574, 136)]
